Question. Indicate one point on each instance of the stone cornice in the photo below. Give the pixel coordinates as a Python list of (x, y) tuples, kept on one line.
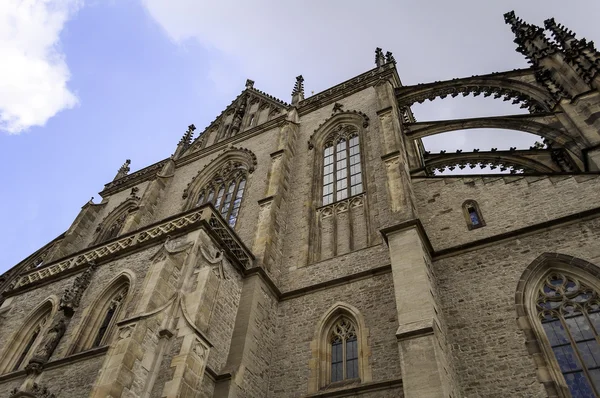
[(348, 87), (205, 216)]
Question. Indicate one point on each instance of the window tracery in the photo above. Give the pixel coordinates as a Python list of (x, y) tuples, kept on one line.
[(344, 351), (225, 191), (569, 312), (342, 170)]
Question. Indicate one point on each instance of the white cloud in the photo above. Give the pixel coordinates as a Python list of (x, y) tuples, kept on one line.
[(33, 71)]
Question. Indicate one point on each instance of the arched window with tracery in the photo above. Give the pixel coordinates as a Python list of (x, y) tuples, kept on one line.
[(569, 312), (101, 317), (344, 351), (226, 191), (342, 170)]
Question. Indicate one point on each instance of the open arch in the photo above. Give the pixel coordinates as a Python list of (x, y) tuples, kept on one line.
[(100, 318), (517, 85), (538, 125), (24, 341), (321, 347), (516, 161), (535, 283), (113, 223)]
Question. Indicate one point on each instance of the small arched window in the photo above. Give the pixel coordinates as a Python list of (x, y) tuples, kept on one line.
[(569, 312), (473, 215), (225, 193), (344, 351), (342, 171)]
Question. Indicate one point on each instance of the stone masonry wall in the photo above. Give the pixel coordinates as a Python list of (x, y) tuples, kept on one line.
[(297, 322), (478, 299), (506, 203)]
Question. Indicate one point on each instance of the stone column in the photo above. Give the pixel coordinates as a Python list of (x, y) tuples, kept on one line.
[(421, 370)]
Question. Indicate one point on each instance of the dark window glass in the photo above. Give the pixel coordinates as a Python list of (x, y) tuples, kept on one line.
[(474, 216), (104, 327), (569, 312), (26, 350), (337, 361)]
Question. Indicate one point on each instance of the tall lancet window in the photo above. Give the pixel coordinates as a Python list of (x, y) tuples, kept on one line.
[(225, 192), (109, 316), (342, 172), (569, 311), (344, 351)]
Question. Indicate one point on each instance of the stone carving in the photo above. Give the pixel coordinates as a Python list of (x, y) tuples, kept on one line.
[(144, 174), (337, 107), (37, 391), (126, 331), (123, 171), (379, 58), (71, 297), (249, 83), (44, 351)]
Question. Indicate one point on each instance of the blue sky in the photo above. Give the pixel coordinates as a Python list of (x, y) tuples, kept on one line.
[(85, 85)]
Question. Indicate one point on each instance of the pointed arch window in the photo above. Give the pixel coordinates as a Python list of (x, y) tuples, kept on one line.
[(108, 319), (473, 214), (342, 170), (344, 351), (102, 316), (225, 192), (569, 312), (20, 348)]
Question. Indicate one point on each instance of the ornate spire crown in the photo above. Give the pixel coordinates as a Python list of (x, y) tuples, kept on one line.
[(124, 170), (298, 91)]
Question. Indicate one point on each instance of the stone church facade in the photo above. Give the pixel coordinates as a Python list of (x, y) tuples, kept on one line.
[(310, 249)]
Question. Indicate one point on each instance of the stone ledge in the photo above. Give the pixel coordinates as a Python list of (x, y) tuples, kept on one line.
[(415, 329), (359, 389)]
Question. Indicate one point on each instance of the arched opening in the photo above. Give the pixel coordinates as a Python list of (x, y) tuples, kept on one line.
[(558, 304), (24, 341), (101, 317)]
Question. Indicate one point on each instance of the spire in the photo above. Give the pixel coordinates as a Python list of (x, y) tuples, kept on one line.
[(580, 53), (185, 141), (564, 37), (123, 171), (298, 91), (531, 39), (379, 58)]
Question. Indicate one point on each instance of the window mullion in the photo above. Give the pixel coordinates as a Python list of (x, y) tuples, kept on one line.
[(577, 353), (348, 168), (232, 200)]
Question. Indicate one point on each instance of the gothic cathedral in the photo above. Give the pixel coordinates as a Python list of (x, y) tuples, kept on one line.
[(313, 249)]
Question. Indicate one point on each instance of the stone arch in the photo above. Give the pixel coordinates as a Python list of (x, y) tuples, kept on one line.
[(558, 136), (94, 314), (527, 288), (473, 216), (506, 160), (231, 158), (534, 98), (321, 133), (320, 361), (28, 336), (115, 219)]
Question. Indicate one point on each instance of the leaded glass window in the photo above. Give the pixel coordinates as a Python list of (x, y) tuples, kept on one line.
[(344, 351), (229, 193), (473, 214), (569, 312), (27, 348), (342, 171)]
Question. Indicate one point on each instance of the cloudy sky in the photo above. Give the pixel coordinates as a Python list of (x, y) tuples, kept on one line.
[(86, 84)]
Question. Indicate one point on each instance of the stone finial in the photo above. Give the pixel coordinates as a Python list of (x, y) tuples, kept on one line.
[(298, 91), (389, 57), (379, 57), (337, 107), (124, 170), (249, 83), (185, 142)]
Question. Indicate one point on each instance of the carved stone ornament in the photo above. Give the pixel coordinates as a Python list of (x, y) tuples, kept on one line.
[(44, 351), (126, 332), (37, 391), (71, 297)]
